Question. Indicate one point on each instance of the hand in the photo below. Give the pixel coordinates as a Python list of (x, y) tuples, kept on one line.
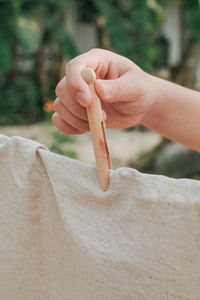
[(127, 93)]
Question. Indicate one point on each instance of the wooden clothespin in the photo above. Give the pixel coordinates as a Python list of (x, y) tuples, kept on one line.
[(97, 129)]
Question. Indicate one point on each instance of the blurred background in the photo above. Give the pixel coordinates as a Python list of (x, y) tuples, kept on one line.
[(38, 37)]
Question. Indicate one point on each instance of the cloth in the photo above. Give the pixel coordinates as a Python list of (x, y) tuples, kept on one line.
[(62, 237)]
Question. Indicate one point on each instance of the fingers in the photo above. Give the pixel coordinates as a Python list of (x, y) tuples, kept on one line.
[(126, 88), (114, 85), (75, 84), (76, 89), (106, 64), (69, 111), (71, 104), (63, 126), (69, 117)]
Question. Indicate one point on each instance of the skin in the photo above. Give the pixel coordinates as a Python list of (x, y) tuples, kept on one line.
[(129, 96)]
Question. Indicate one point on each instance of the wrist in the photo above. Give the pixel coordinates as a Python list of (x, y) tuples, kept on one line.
[(157, 90)]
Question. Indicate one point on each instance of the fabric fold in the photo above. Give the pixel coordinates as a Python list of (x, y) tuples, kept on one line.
[(62, 237)]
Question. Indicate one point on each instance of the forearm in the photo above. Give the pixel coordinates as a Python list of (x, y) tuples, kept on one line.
[(176, 114)]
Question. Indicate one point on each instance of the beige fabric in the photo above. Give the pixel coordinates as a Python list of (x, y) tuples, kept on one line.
[(61, 237)]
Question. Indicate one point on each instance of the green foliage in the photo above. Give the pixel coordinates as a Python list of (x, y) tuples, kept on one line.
[(133, 27), (192, 11), (148, 160), (178, 164), (20, 103), (181, 165), (115, 26), (28, 33), (29, 27), (57, 148), (61, 144), (63, 138), (145, 18), (5, 55)]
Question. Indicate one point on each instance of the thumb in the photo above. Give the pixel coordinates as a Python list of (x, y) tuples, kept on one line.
[(116, 90)]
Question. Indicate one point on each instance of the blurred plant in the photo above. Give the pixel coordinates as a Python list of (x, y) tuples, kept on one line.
[(33, 44), (20, 103), (132, 28), (172, 160), (61, 144), (192, 12)]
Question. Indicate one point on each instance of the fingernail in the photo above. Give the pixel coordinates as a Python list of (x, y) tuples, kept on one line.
[(82, 99)]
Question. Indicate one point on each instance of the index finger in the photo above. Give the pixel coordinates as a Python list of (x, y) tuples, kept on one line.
[(76, 85)]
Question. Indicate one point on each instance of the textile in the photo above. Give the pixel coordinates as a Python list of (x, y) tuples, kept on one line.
[(62, 237)]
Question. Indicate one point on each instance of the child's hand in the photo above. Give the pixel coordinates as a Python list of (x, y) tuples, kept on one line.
[(127, 93)]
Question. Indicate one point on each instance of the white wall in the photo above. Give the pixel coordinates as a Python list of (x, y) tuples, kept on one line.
[(84, 34), (172, 31)]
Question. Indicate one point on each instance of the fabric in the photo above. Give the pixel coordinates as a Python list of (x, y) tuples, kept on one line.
[(62, 237)]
